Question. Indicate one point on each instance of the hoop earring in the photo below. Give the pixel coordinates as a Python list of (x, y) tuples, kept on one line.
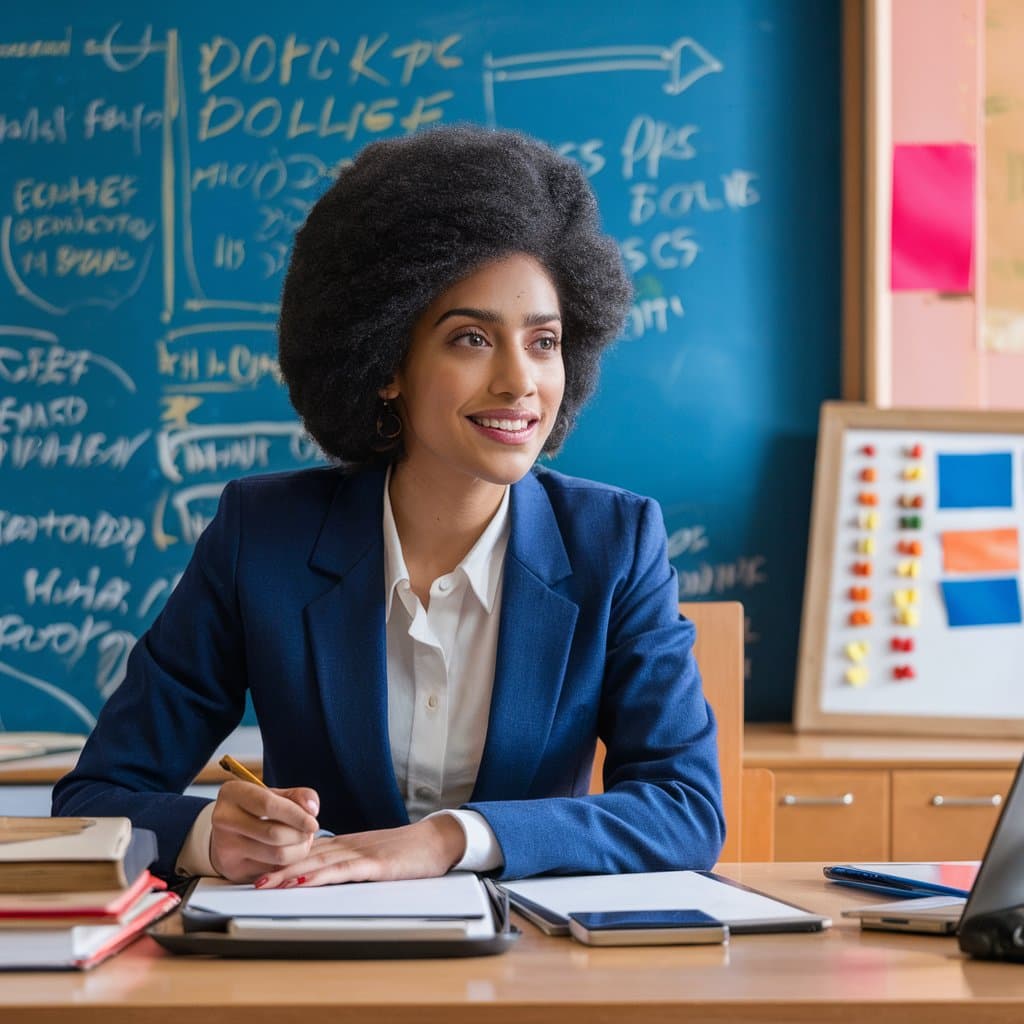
[(389, 423)]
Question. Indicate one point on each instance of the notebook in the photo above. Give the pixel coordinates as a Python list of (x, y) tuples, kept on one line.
[(999, 884)]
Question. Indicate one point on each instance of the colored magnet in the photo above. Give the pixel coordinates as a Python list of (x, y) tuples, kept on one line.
[(902, 643), (861, 568), (869, 475), (860, 593), (861, 617), (913, 473), (857, 650), (903, 672), (857, 675), (912, 501), (867, 498), (868, 449), (980, 550), (992, 602), (910, 522), (868, 520), (904, 598), (866, 545), (976, 481), (915, 451), (909, 567), (910, 547), (908, 617)]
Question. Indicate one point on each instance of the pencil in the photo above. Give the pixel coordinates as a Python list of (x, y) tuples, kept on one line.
[(229, 764)]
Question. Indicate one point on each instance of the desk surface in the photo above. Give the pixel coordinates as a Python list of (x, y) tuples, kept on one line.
[(839, 975)]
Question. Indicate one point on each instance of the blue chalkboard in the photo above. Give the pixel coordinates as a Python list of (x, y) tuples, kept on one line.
[(155, 161)]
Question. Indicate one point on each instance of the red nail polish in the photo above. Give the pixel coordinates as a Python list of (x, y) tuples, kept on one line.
[(301, 880), (260, 882)]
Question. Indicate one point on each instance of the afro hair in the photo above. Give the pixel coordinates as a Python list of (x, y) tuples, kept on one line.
[(405, 221)]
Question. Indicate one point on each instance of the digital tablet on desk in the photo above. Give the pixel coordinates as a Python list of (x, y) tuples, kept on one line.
[(907, 880)]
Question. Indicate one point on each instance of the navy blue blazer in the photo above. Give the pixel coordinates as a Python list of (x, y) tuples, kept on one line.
[(284, 598)]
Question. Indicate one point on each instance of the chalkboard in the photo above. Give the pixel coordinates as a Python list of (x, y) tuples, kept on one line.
[(912, 620), (154, 165)]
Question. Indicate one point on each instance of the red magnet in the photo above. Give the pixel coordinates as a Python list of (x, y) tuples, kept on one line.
[(861, 568), (902, 643)]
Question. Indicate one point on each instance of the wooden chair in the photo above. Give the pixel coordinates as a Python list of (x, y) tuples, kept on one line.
[(748, 796)]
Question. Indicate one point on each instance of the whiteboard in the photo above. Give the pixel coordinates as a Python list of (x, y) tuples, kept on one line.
[(912, 611)]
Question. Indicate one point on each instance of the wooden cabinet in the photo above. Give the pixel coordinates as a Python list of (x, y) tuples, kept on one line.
[(945, 815), (830, 815), (868, 798)]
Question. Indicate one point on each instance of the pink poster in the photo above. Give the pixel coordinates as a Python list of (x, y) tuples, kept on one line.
[(933, 218)]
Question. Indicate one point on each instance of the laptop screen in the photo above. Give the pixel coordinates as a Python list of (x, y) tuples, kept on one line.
[(1000, 881)]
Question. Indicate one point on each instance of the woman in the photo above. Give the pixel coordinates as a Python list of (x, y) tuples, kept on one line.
[(434, 631)]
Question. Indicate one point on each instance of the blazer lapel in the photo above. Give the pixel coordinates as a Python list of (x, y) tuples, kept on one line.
[(534, 639), (347, 637)]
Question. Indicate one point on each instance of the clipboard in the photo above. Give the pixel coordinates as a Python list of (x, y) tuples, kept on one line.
[(187, 932), (547, 902)]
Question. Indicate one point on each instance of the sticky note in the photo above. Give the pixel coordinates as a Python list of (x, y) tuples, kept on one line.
[(933, 217), (980, 550), (976, 481), (992, 602)]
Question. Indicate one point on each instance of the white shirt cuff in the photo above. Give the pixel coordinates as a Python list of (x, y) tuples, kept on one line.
[(194, 856), (483, 851)]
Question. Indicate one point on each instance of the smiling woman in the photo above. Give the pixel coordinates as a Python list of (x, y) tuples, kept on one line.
[(435, 631)]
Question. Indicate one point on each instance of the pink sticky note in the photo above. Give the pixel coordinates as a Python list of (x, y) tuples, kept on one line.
[(933, 218)]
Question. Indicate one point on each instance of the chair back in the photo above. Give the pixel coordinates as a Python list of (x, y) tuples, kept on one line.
[(719, 652)]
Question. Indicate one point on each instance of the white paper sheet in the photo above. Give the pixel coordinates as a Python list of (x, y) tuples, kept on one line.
[(663, 890), (456, 895)]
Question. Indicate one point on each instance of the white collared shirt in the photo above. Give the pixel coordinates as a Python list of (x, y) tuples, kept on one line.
[(440, 671), (440, 665)]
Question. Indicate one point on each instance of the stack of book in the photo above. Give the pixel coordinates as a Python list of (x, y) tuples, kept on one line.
[(74, 891)]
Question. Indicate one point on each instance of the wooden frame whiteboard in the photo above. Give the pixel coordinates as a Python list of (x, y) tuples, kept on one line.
[(968, 680)]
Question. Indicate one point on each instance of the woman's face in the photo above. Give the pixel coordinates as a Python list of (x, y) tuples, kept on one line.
[(483, 379)]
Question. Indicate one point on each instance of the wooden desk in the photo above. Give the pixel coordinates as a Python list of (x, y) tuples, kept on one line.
[(840, 975)]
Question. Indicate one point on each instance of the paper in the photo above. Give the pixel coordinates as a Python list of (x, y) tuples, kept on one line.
[(976, 481), (933, 218), (458, 895), (980, 551), (662, 890), (994, 602)]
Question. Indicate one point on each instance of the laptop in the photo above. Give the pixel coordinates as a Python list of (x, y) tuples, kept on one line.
[(999, 884)]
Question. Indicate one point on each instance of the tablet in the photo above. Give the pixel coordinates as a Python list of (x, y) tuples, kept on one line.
[(907, 880)]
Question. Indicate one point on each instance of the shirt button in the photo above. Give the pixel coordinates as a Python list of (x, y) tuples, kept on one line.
[(432, 701), (424, 793), (444, 584)]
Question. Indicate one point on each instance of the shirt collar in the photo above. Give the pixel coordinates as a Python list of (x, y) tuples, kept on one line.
[(482, 565)]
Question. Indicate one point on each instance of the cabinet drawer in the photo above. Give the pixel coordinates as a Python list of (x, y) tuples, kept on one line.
[(831, 815), (945, 815)]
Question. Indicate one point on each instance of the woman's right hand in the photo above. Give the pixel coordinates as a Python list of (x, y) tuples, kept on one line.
[(258, 830)]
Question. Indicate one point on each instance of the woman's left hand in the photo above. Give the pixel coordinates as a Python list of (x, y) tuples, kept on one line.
[(429, 848)]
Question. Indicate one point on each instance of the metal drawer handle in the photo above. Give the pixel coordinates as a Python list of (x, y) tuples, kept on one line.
[(791, 800), (967, 801)]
